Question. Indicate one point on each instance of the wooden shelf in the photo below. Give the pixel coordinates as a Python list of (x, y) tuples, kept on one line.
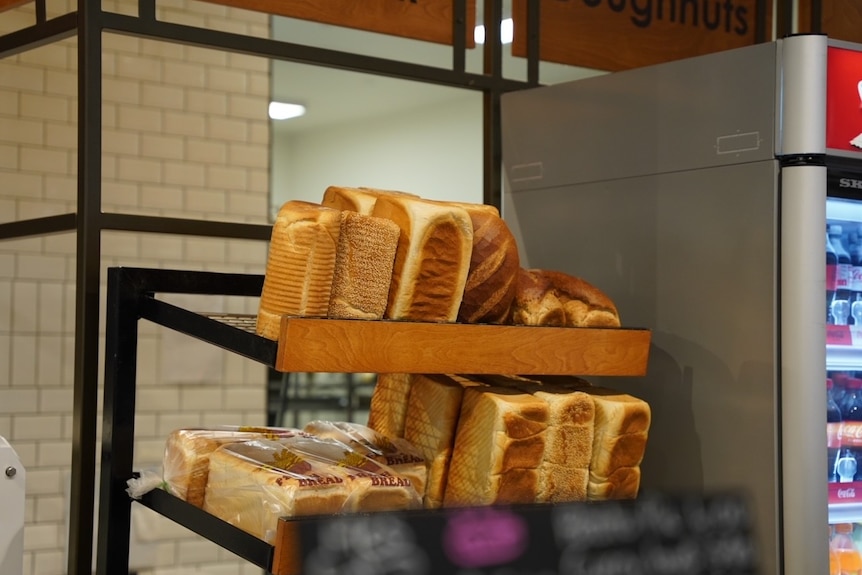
[(358, 346)]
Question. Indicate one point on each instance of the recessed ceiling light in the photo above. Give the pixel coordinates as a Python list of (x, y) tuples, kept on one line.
[(285, 110), (507, 31)]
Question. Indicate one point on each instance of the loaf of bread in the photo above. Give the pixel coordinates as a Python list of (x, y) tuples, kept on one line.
[(388, 410), (619, 442), (359, 200), (300, 265), (499, 446), (552, 298), (565, 468), (494, 265), (432, 259), (433, 407), (395, 453), (253, 484), (363, 266), (187, 451)]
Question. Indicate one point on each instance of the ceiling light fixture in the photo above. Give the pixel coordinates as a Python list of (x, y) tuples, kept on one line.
[(285, 110), (507, 32)]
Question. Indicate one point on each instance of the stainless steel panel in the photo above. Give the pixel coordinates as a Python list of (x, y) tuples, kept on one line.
[(690, 255), (803, 362), (712, 110), (803, 95)]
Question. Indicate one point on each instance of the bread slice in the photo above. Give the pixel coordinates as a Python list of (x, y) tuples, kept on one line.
[(498, 450), (359, 200), (185, 462), (396, 453), (363, 266), (388, 408), (433, 407), (432, 259), (300, 265)]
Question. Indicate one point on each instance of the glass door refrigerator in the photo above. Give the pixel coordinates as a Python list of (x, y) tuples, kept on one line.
[(695, 194)]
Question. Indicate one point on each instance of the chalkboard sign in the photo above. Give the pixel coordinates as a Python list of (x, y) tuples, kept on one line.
[(653, 535)]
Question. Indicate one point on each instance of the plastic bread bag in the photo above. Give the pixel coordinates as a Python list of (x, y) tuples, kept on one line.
[(373, 486), (186, 459), (255, 483), (398, 453)]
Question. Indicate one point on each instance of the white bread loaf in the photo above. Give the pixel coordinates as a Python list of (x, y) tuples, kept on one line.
[(565, 469), (432, 259), (359, 200), (395, 453), (300, 265), (433, 406), (494, 264), (388, 409), (185, 462), (363, 266), (253, 484), (499, 445)]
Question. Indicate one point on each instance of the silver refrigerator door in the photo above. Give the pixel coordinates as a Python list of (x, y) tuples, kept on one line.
[(661, 186)]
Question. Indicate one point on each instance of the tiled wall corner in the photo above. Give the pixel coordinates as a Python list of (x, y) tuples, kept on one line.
[(185, 134)]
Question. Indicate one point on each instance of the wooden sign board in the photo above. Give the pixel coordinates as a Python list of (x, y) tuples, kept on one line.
[(9, 4), (840, 19), (428, 20), (616, 35)]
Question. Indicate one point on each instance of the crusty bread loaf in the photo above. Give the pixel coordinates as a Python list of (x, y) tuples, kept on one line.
[(432, 259), (535, 302), (499, 445), (565, 468), (623, 483), (552, 298), (394, 452), (433, 406), (363, 266), (185, 462), (300, 265), (494, 265), (359, 200), (388, 409)]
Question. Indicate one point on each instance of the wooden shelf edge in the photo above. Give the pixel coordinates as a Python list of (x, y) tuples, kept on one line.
[(359, 346)]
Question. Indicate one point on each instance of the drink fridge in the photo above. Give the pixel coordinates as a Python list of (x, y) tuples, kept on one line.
[(698, 195)]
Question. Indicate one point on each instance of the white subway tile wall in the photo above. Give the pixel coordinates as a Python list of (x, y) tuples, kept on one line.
[(185, 134)]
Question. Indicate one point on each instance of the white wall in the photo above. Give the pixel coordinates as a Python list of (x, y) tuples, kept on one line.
[(434, 152)]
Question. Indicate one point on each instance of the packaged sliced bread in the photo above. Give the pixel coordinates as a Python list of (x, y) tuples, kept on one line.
[(396, 453), (187, 451)]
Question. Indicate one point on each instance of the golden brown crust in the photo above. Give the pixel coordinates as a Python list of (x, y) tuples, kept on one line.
[(494, 265), (432, 258), (552, 298), (359, 200), (388, 409), (300, 265), (363, 266)]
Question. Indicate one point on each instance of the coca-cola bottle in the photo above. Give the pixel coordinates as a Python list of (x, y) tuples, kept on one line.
[(831, 272), (833, 432), (851, 433), (856, 281), (841, 300)]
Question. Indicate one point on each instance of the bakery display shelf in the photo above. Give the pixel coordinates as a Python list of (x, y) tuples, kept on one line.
[(363, 346), (691, 534)]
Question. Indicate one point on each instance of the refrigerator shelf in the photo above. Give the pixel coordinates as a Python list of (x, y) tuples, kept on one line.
[(843, 358), (845, 513)]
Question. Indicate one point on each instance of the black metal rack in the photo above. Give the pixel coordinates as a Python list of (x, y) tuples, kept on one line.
[(87, 24)]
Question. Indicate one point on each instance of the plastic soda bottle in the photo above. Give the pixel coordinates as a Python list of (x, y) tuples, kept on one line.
[(843, 551)]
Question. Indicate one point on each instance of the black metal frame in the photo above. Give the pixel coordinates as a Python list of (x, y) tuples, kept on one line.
[(88, 23), (131, 297)]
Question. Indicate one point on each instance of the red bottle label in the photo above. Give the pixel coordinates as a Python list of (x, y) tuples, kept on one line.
[(831, 273)]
